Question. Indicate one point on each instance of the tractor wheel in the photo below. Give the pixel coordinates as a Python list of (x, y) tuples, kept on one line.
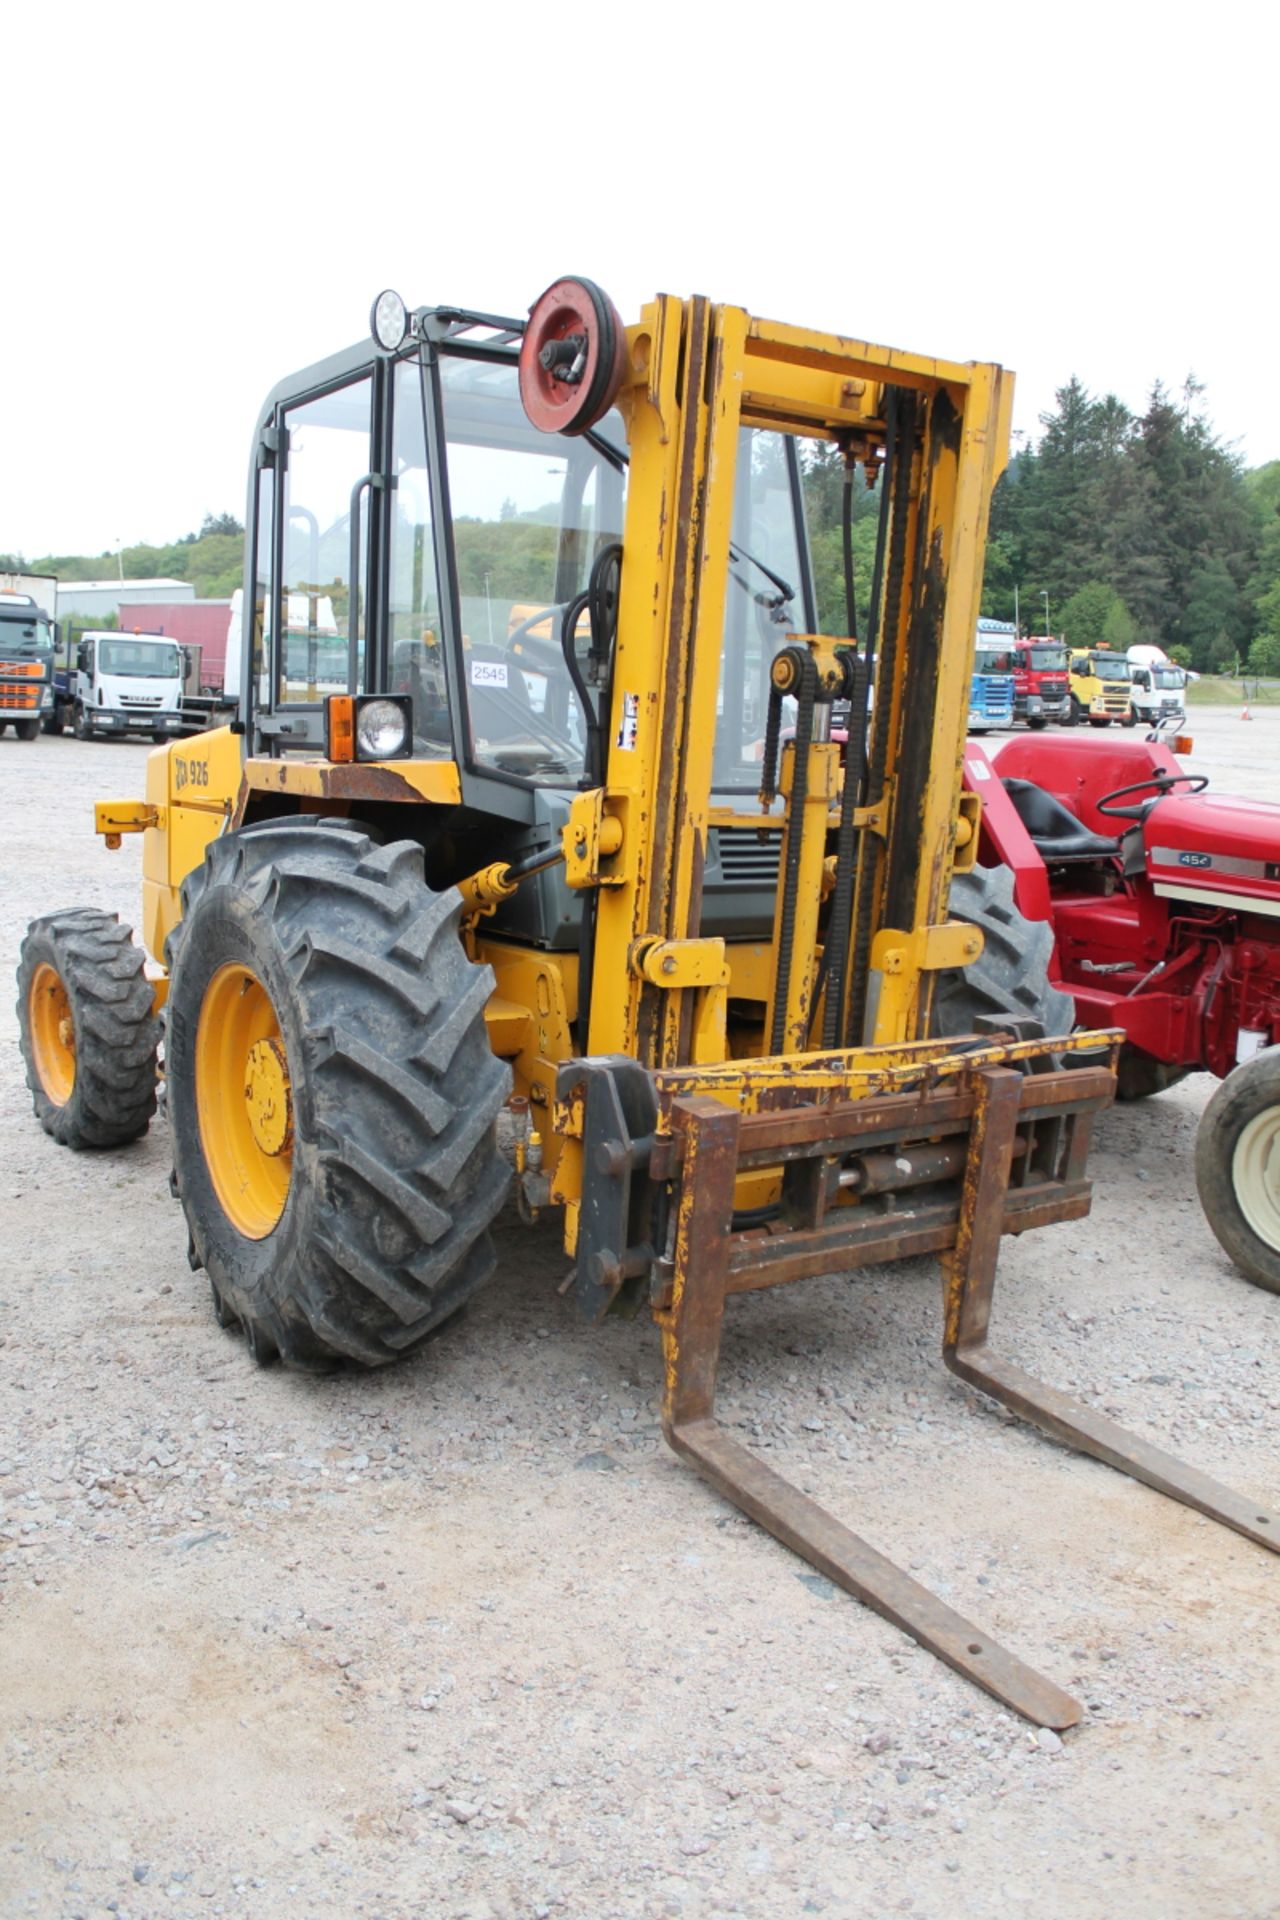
[(1011, 976), (1238, 1167), (27, 729), (1140, 1074), (332, 1094), (88, 1035)]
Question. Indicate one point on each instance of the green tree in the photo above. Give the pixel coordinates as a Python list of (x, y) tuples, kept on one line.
[(1264, 654), (1094, 614)]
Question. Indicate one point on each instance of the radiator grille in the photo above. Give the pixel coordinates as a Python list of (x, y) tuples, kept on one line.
[(748, 858)]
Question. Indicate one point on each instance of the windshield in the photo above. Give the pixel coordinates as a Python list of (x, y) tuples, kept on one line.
[(1169, 679), (25, 639), (1047, 659), (138, 659), (530, 514), (1108, 666), (992, 660)]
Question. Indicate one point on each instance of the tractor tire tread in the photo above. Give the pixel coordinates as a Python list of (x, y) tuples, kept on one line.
[(117, 1035), (396, 1095)]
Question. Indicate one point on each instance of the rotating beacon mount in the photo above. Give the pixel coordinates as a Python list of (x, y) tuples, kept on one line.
[(573, 358)]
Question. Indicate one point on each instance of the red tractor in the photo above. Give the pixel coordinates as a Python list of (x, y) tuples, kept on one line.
[(1159, 912)]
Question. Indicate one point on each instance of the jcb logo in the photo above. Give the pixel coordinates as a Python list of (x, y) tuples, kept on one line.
[(189, 773)]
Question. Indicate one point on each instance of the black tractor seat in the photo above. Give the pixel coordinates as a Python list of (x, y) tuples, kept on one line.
[(1055, 831)]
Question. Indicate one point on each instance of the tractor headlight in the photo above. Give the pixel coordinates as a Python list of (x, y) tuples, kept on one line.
[(368, 726), (384, 729), (389, 321)]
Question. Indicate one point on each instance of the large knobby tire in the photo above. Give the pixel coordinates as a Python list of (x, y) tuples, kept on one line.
[(1011, 976), (1238, 1167), (88, 1034), (332, 1094)]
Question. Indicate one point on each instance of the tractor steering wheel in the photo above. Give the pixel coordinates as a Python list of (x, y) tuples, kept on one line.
[(525, 630), (1197, 782)]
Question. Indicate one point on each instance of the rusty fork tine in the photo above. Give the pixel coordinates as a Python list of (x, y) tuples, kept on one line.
[(827, 1544), (691, 1328), (1080, 1427), (970, 1277)]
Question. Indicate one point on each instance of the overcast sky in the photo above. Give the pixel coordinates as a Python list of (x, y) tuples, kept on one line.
[(200, 201)]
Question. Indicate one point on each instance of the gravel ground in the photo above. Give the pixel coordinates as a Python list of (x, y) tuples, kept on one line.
[(465, 1640)]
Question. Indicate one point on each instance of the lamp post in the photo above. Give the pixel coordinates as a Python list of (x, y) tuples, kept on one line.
[(1044, 595)]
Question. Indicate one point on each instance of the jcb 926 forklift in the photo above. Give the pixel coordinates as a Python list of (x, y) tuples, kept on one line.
[(531, 854)]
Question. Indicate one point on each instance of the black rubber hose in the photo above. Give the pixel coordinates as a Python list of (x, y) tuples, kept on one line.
[(805, 693), (897, 483), (846, 532), (590, 718), (835, 952)]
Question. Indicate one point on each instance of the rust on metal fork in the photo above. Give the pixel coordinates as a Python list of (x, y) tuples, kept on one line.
[(1026, 1140)]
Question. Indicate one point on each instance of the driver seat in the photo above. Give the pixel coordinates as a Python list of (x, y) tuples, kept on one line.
[(1055, 831)]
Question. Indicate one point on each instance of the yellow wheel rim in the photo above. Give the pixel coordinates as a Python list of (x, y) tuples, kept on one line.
[(53, 1036), (244, 1101)]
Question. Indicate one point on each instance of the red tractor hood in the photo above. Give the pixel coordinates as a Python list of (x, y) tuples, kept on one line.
[(1215, 849)]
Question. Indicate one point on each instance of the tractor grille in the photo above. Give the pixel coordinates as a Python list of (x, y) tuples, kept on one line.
[(748, 857)]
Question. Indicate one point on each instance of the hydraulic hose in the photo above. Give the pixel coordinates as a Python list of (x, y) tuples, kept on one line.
[(895, 509), (806, 689)]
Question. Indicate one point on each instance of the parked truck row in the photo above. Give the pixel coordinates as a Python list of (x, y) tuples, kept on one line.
[(102, 682), (1038, 681)]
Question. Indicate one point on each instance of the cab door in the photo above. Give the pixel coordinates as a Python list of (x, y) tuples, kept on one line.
[(323, 495)]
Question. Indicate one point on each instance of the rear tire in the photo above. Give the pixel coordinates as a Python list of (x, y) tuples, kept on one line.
[(345, 1213), (1075, 713), (1010, 979), (52, 721), (1238, 1167), (1140, 1075), (1130, 719), (88, 1035), (1036, 721), (80, 725)]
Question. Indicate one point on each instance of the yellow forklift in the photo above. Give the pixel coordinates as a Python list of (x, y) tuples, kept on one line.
[(552, 846)]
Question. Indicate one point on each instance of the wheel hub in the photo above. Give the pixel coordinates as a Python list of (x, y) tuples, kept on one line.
[(244, 1100), (1255, 1170), (53, 1035), (269, 1097)]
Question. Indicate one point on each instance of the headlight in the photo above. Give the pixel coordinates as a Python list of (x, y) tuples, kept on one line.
[(389, 321), (382, 730)]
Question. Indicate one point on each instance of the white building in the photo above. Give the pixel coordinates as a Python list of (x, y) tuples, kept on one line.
[(98, 598)]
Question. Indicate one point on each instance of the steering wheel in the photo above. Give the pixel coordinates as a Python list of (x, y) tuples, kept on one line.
[(525, 630), (1195, 782)]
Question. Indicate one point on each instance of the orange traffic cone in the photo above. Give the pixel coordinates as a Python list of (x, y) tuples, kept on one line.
[(1245, 713)]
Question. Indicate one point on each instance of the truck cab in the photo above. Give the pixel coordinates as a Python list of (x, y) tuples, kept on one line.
[(1156, 692), (1041, 692), (1099, 687), (122, 683), (991, 690), (26, 665)]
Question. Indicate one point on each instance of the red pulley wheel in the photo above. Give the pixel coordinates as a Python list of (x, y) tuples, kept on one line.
[(573, 358)]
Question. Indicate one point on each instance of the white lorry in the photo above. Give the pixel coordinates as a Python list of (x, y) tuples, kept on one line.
[(1156, 688), (121, 683)]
